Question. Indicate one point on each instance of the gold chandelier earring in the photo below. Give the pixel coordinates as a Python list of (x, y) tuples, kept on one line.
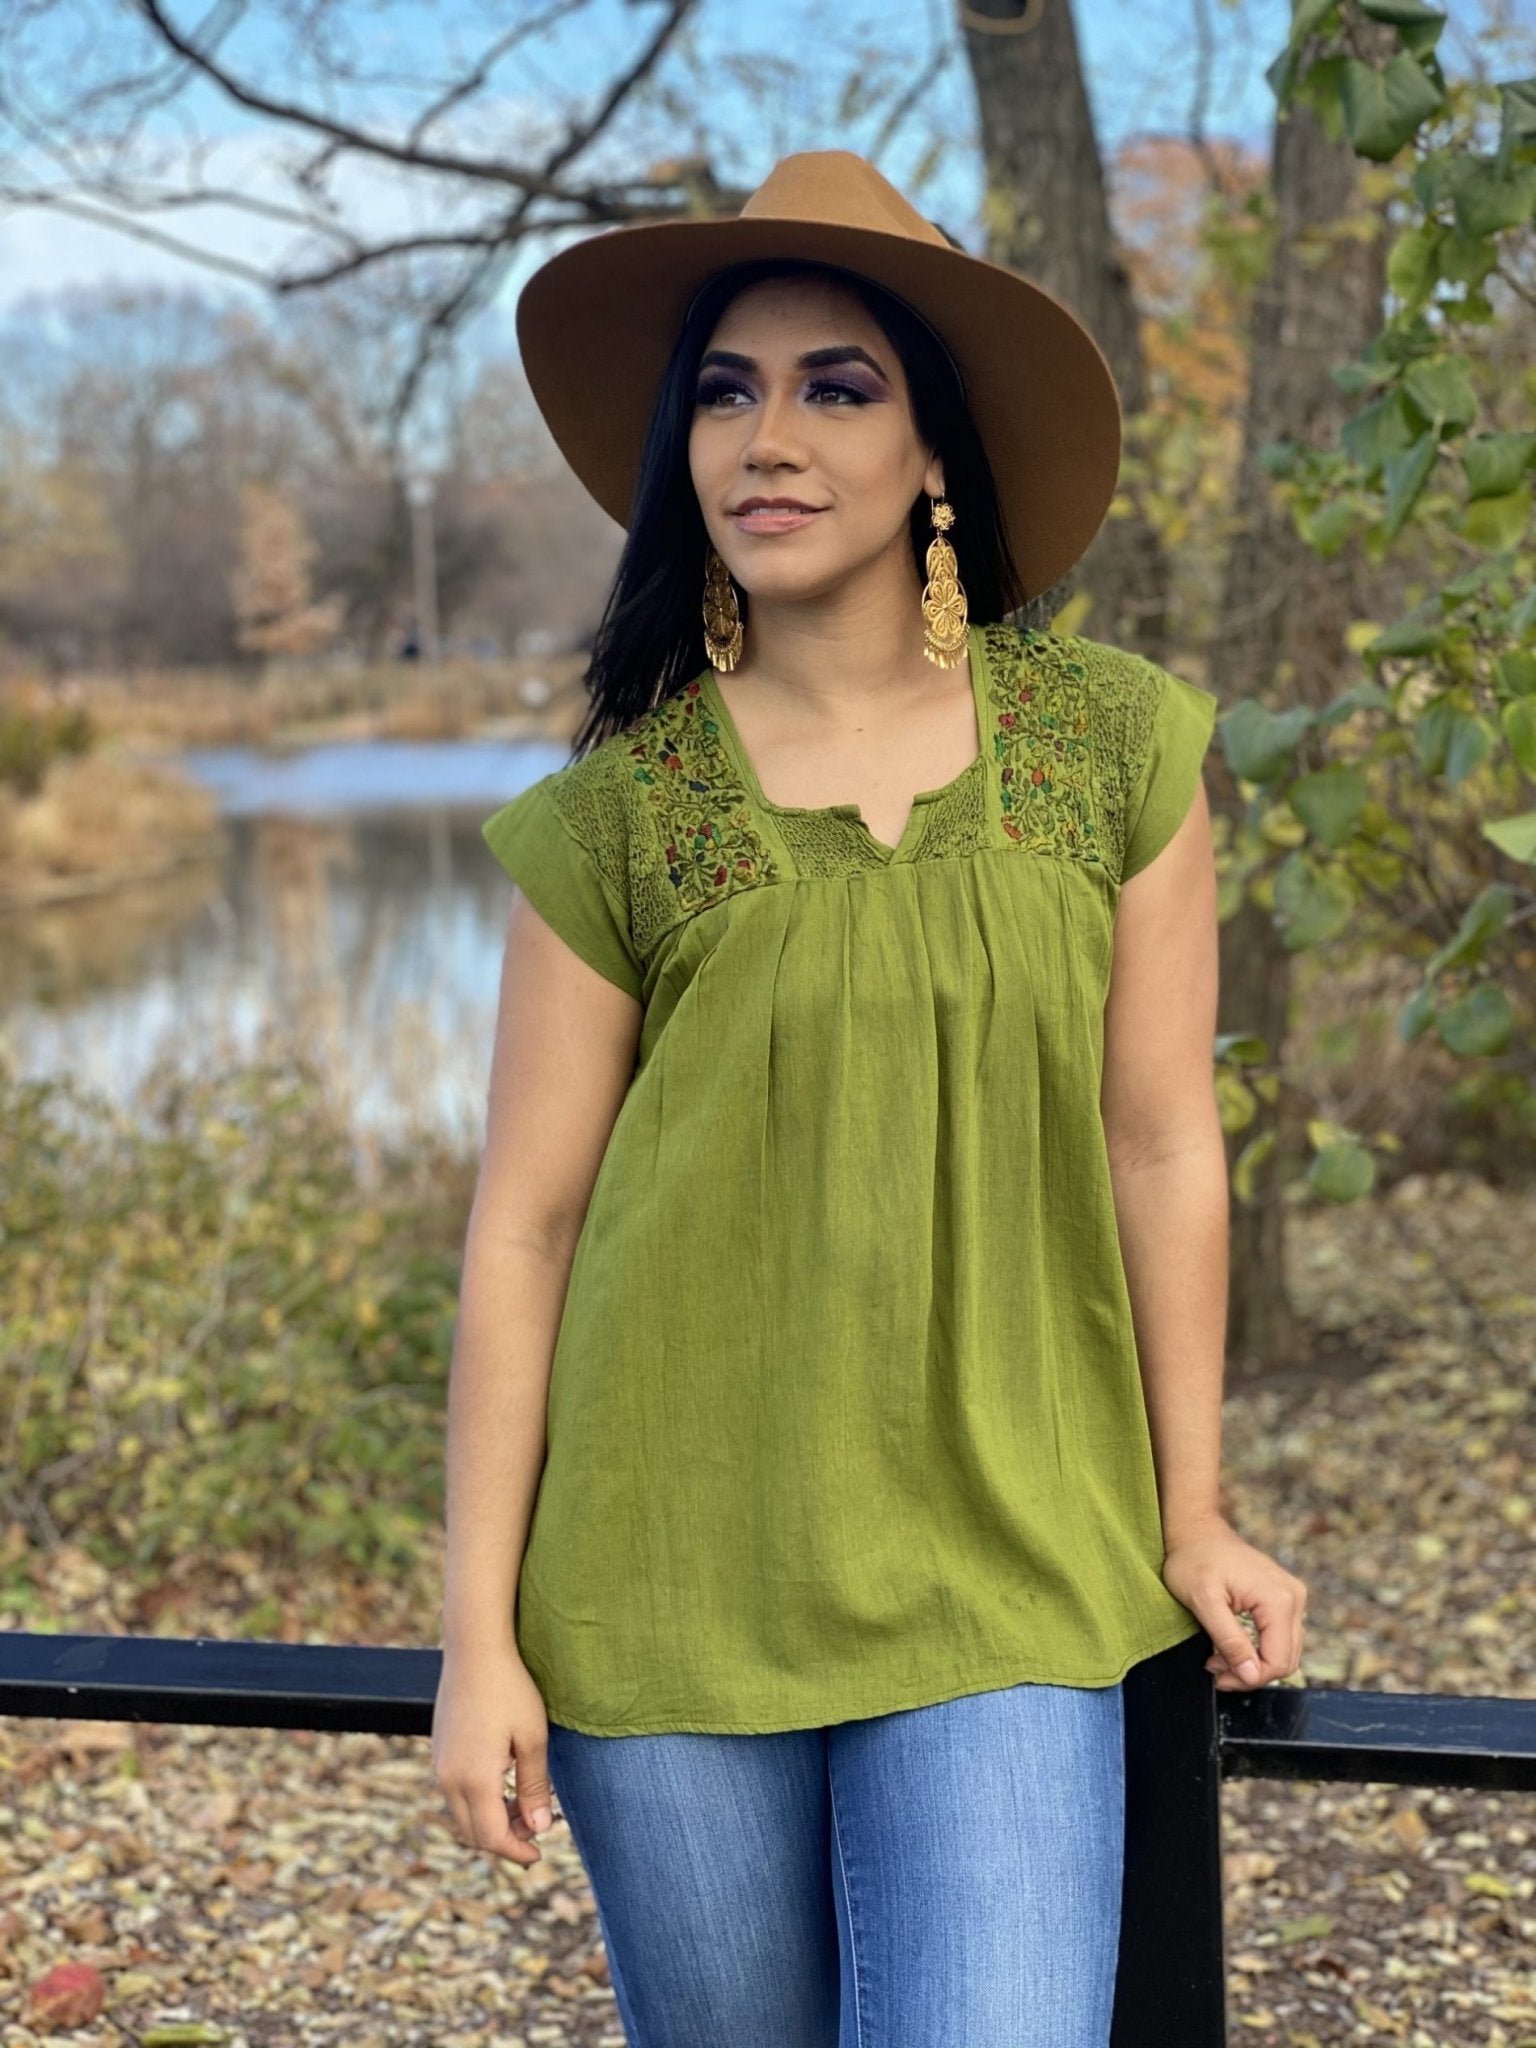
[(722, 614), (945, 612)]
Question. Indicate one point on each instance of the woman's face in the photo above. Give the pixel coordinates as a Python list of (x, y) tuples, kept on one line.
[(835, 434)]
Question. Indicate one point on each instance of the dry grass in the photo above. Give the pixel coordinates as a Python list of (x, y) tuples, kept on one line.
[(394, 700), (100, 820)]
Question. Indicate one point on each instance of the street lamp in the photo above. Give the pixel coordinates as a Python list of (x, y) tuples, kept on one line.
[(421, 490)]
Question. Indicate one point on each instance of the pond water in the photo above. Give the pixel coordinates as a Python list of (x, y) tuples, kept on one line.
[(354, 777), (356, 913)]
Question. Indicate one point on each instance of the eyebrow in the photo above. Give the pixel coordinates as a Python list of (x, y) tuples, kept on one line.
[(813, 359)]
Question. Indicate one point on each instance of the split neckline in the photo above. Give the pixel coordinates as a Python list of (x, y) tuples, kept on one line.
[(912, 829)]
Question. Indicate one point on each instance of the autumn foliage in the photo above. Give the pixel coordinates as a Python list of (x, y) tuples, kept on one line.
[(271, 587)]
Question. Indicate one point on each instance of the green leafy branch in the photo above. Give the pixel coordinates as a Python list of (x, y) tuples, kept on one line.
[(1429, 463)]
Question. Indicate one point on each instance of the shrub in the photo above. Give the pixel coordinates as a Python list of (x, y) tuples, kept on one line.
[(213, 1341), (31, 737)]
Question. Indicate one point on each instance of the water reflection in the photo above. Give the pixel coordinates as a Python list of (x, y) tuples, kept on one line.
[(357, 913)]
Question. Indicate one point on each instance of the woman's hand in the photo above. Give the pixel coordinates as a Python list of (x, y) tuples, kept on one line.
[(489, 1714), (1218, 1576)]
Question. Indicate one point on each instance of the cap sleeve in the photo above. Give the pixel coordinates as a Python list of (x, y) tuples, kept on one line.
[(574, 887), (1162, 780)]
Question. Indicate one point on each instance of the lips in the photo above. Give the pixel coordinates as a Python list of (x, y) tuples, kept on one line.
[(772, 505), (764, 519)]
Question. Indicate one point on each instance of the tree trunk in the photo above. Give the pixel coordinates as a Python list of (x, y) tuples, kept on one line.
[(1280, 637), (1047, 215)]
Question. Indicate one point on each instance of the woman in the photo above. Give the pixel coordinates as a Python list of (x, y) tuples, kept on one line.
[(852, 1217)]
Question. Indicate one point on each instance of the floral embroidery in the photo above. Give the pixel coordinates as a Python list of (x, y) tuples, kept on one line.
[(1043, 742), (701, 813), (662, 807)]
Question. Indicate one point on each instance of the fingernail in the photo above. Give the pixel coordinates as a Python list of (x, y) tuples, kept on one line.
[(1248, 1668), (542, 1817)]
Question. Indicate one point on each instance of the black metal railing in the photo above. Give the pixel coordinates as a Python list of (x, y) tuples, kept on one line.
[(1183, 1737)]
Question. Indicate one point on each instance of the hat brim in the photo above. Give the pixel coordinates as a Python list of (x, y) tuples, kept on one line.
[(597, 323)]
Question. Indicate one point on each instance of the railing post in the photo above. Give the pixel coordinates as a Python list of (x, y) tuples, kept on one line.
[(1170, 1987)]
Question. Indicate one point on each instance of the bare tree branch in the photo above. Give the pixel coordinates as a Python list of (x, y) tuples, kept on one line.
[(494, 170), (100, 106), (89, 125), (137, 231), (923, 80), (465, 88)]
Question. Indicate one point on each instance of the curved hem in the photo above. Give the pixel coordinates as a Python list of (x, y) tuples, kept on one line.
[(1032, 1676)]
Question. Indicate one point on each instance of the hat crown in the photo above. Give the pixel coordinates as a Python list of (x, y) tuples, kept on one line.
[(835, 185)]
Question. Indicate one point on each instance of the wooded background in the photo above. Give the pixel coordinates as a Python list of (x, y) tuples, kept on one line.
[(1324, 347)]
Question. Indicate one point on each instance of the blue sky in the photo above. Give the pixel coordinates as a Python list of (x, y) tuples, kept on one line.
[(1138, 56)]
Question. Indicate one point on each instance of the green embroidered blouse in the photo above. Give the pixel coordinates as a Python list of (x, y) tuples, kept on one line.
[(845, 1413)]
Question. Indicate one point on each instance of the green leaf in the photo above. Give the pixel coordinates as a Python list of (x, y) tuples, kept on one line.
[(1470, 582), (1405, 476), (1419, 38), (1514, 673), (1378, 431), (1319, 87), (1467, 262), (1353, 378), (1518, 717), (1483, 919), (1247, 1163), (1280, 76), (1385, 109), (1488, 200), (1469, 748), (1517, 128), (1493, 462), (1308, 16), (1329, 802), (1479, 1023), (1432, 731), (1317, 903), (1403, 13), (1236, 1103), (1515, 837), (1363, 696), (1411, 265), (1258, 743), (1434, 176), (1416, 1015), (1326, 530), (1241, 1046), (1342, 1173), (1497, 523), (1413, 634), (1415, 43), (1441, 393), (1279, 458)]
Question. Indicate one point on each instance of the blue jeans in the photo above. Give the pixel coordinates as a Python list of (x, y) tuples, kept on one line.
[(940, 1877)]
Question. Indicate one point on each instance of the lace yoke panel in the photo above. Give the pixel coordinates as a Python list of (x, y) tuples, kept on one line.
[(674, 831)]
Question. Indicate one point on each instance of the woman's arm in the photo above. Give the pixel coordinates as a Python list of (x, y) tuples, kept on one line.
[(562, 1062), (1168, 1165)]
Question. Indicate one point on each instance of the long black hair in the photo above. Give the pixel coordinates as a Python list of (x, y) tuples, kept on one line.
[(649, 641)]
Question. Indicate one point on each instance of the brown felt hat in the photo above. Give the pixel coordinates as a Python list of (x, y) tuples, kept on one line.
[(597, 323)]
